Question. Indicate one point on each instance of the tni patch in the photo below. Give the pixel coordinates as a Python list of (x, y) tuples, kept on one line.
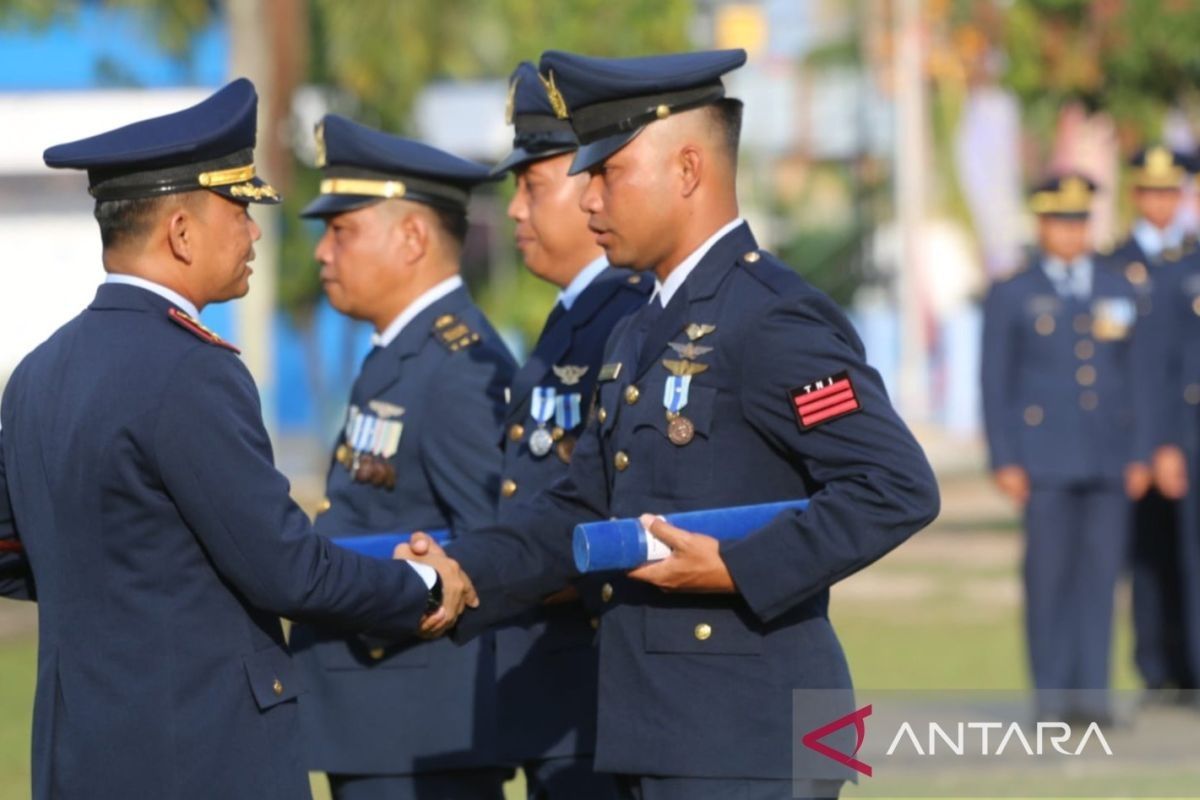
[(824, 400)]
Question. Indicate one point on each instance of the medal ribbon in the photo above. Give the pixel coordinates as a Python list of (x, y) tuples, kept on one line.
[(566, 411), (675, 393), (541, 407)]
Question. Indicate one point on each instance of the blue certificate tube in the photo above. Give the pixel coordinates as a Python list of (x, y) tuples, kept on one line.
[(625, 544), (381, 545)]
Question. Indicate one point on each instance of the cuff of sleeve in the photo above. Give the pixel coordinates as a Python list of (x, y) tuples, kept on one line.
[(427, 573)]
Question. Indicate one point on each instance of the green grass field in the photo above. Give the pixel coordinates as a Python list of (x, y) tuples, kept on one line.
[(944, 611)]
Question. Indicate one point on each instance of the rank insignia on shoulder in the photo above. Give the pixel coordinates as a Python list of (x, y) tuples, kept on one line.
[(696, 331), (683, 367), (824, 400), (609, 372), (690, 350), (569, 374), (454, 333), (198, 329)]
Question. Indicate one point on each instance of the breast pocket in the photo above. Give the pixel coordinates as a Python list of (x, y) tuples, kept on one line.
[(679, 449)]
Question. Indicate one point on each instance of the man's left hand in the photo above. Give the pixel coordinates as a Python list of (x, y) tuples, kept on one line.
[(694, 565)]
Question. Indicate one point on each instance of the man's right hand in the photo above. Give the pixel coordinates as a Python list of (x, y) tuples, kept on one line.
[(1170, 472), (458, 593), (1014, 482)]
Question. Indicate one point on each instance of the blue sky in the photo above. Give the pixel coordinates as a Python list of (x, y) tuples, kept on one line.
[(102, 47)]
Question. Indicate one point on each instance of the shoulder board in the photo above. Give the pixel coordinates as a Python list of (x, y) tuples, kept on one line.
[(198, 329), (1172, 254), (770, 271), (453, 333)]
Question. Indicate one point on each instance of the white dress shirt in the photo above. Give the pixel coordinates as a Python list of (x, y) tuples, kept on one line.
[(424, 301), (160, 290), (584, 279), (665, 290)]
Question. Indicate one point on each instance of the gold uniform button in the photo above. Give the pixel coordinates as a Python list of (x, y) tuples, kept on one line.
[(751, 257), (1083, 323), (1196, 305), (621, 461), (277, 687), (1044, 324), (1089, 401), (606, 592), (324, 505), (1191, 394), (516, 432), (1135, 273), (376, 653), (1085, 375), (703, 631), (634, 279), (602, 415), (1034, 416), (595, 623), (508, 487), (632, 394), (1085, 349)]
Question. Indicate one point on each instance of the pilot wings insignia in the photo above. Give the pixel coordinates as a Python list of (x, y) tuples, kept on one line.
[(683, 367), (690, 350), (570, 374)]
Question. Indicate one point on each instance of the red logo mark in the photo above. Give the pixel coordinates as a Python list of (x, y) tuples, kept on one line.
[(812, 740)]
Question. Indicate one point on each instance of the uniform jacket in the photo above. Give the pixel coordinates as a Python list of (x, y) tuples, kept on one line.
[(163, 547), (437, 392), (547, 659), (1057, 393), (701, 685)]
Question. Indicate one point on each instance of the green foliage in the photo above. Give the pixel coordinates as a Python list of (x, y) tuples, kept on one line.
[(1131, 58)]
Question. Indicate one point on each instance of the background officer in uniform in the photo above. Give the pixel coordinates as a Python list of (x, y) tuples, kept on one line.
[(547, 659), (1167, 393), (158, 538), (1058, 415), (1147, 258), (737, 383), (417, 452)]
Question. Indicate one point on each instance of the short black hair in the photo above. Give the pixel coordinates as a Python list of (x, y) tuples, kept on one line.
[(124, 220), (453, 222), (726, 115)]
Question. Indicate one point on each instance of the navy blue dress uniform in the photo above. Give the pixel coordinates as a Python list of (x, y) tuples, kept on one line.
[(1148, 258), (157, 535), (418, 451), (1057, 403), (1168, 406), (771, 399), (547, 659)]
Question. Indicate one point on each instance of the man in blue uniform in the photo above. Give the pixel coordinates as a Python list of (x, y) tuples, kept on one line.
[(418, 451), (137, 478), (1058, 416), (547, 660), (737, 383), (1167, 396), (1148, 259)]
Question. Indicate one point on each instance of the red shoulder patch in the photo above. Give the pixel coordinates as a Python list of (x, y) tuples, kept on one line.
[(197, 329), (824, 400), (11, 546)]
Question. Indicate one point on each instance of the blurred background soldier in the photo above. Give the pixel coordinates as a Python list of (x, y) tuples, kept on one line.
[(1058, 417)]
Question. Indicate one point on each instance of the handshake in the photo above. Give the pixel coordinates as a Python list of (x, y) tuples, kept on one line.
[(458, 593)]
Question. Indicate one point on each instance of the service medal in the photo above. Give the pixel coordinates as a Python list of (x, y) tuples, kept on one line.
[(565, 448), (680, 430), (540, 442)]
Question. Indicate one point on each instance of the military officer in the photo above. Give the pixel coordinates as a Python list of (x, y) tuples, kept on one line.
[(1058, 415), (547, 659), (140, 504), (418, 451), (1167, 393), (1148, 257), (737, 383)]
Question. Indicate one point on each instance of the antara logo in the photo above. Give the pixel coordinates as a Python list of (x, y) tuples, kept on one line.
[(812, 740), (962, 738)]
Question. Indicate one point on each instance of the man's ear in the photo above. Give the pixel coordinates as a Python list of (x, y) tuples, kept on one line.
[(181, 232), (415, 231), (691, 168)]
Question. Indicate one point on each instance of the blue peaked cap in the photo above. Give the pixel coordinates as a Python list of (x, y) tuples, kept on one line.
[(610, 100), (208, 146)]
